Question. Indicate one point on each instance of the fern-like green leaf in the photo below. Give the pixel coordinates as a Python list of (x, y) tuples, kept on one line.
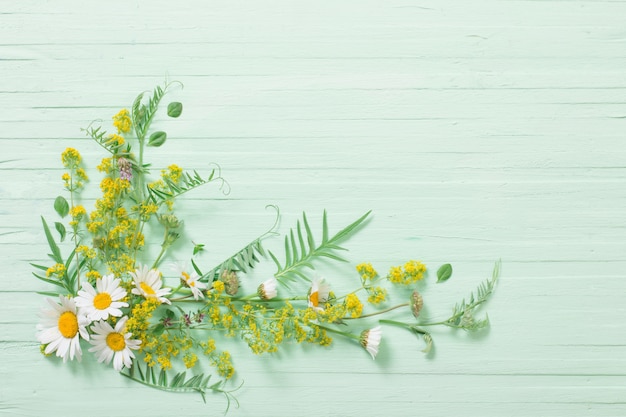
[(298, 256), (179, 383), (463, 313)]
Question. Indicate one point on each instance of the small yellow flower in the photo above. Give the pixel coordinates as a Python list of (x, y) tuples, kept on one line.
[(354, 305), (70, 158), (122, 121), (78, 212), (218, 286)]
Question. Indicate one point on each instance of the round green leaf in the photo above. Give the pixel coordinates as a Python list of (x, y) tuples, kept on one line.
[(444, 272), (157, 139), (174, 109), (61, 206)]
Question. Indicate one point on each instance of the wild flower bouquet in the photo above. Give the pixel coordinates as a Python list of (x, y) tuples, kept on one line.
[(154, 321)]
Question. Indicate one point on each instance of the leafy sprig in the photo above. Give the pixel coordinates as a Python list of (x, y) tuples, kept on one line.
[(299, 255)]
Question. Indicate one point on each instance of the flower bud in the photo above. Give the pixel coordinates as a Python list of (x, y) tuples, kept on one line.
[(370, 339), (126, 172), (169, 221), (231, 282), (268, 289), (416, 303), (170, 239)]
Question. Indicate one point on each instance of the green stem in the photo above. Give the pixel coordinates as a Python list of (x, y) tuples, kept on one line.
[(377, 313), (331, 330)]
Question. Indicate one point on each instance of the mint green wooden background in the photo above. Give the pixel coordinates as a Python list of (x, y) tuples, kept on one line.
[(475, 130)]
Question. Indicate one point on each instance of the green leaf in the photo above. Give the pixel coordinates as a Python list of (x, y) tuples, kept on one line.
[(444, 272), (61, 206), (294, 260), (174, 109), (56, 252), (157, 139), (61, 229)]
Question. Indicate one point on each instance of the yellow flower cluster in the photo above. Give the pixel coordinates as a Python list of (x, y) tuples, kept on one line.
[(122, 121), (376, 295), (354, 307), (412, 272), (56, 269), (77, 212), (115, 141), (367, 271), (70, 158), (139, 319), (106, 165)]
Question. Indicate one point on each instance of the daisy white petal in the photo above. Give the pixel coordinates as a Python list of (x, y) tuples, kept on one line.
[(104, 301), (318, 294), (61, 328), (148, 284), (268, 289), (192, 279), (370, 339), (112, 343)]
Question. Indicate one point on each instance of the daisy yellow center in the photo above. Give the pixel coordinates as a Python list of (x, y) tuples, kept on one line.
[(147, 289), (68, 324), (186, 276), (116, 341), (192, 284), (314, 297), (102, 301)]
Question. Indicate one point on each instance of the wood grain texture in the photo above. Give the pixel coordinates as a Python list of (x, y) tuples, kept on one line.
[(474, 130)]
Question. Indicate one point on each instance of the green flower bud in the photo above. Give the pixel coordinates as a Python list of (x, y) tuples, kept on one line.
[(231, 282), (169, 221)]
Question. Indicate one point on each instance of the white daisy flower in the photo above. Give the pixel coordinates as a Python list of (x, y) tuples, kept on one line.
[(109, 343), (268, 289), (148, 284), (191, 279), (370, 339), (102, 302), (318, 294), (60, 329)]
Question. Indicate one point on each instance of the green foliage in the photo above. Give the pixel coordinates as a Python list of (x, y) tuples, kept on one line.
[(187, 183), (463, 313), (179, 383), (243, 260), (101, 137), (61, 206), (142, 114), (174, 109), (444, 272), (157, 139), (61, 229), (299, 254)]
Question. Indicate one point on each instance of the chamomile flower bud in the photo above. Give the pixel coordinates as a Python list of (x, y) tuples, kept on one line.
[(417, 303), (268, 289), (370, 339)]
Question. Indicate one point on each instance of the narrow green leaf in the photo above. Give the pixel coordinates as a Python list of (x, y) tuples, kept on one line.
[(56, 252), (50, 281), (273, 258), (309, 234), (61, 229), (61, 206), (444, 272), (294, 246), (324, 229)]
